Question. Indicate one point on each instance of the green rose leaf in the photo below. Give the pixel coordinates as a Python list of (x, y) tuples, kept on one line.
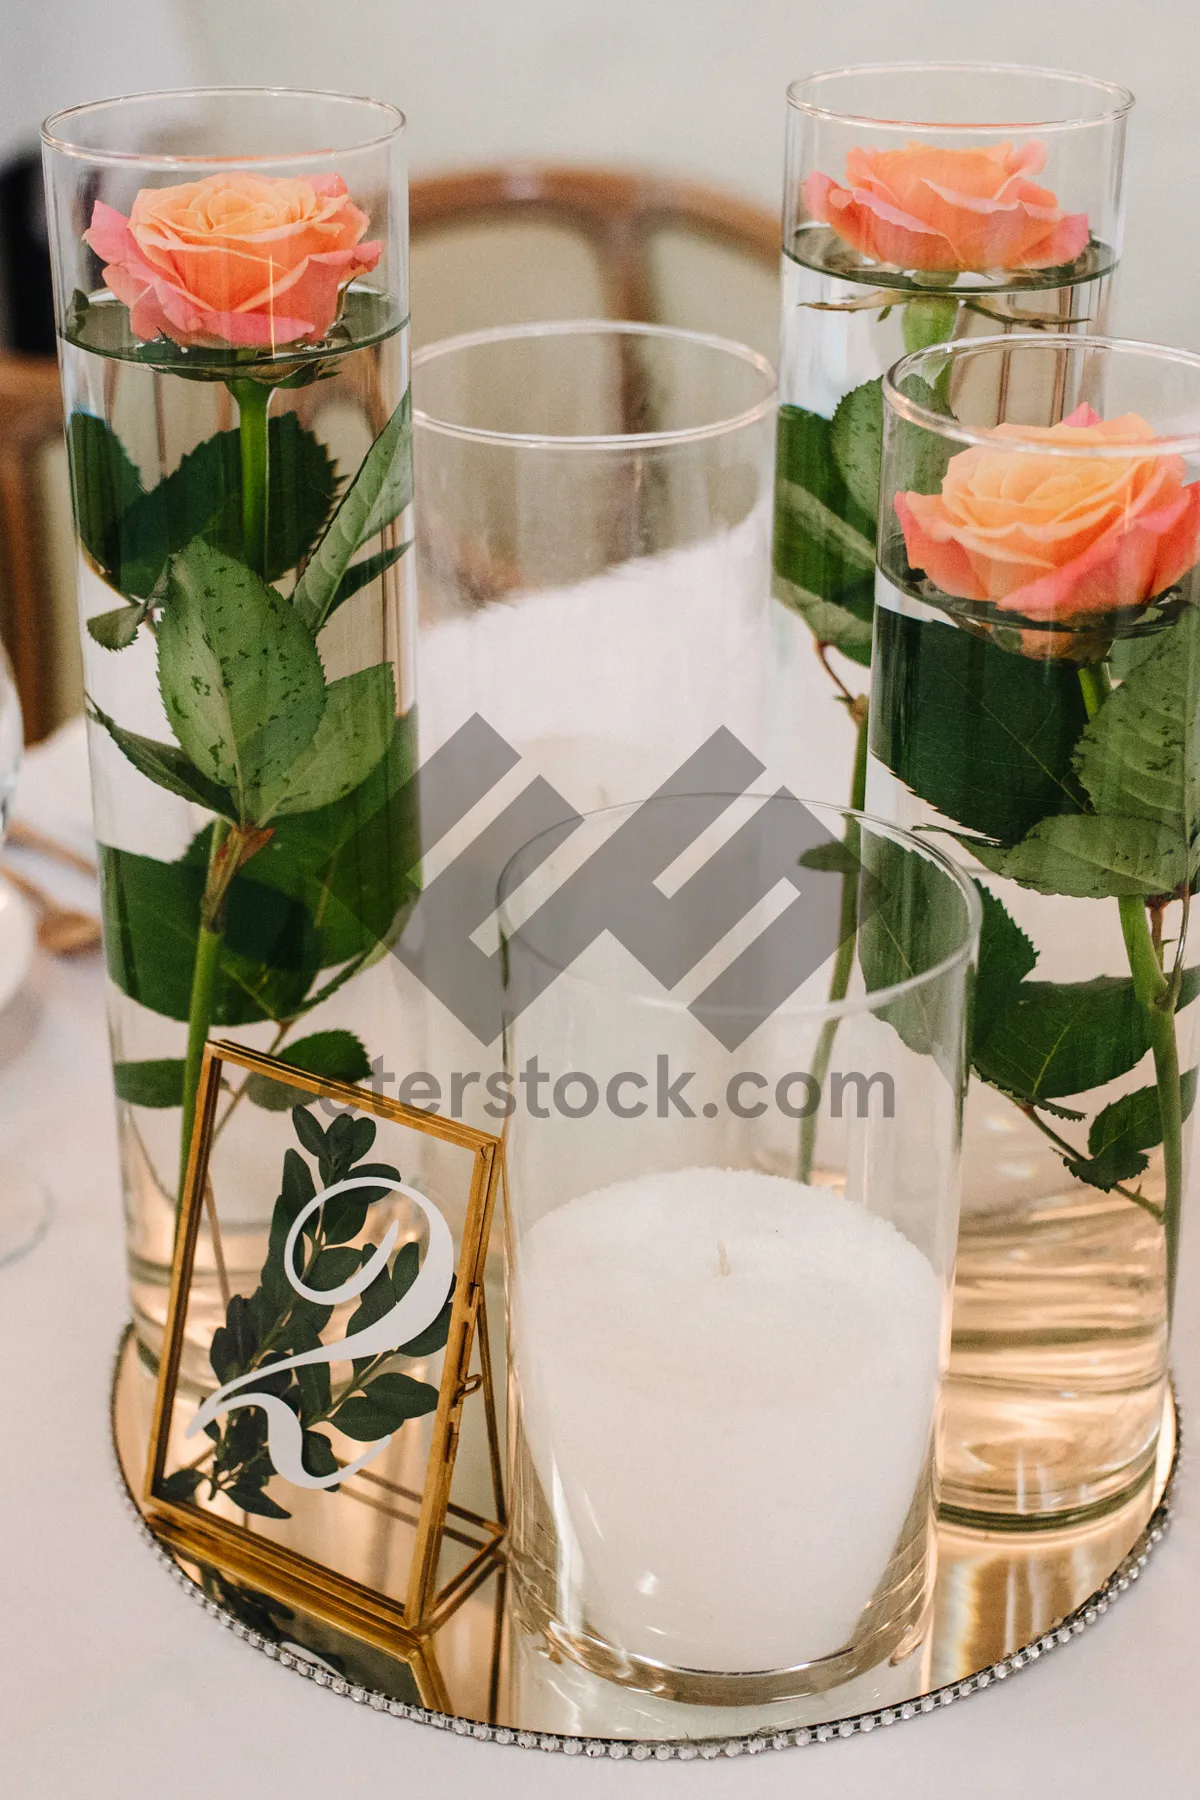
[(353, 735), (910, 920), (117, 629), (920, 456), (1091, 857), (1123, 1132), (824, 540), (857, 442), (240, 676), (167, 766), (388, 1402), (350, 863), (845, 623), (104, 485), (168, 516), (1064, 1038), (336, 1055), (1140, 756), (1006, 956), (157, 1083), (824, 529), (833, 858), (302, 485), (379, 492), (203, 497), (151, 914), (360, 575), (985, 737)]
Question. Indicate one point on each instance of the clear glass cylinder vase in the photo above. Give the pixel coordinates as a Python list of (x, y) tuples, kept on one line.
[(593, 545), (231, 292), (1036, 707), (732, 1207), (923, 203)]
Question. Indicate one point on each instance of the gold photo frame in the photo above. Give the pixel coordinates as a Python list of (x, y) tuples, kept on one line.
[(394, 1581)]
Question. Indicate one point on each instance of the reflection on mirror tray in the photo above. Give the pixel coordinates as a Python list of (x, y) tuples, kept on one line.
[(1000, 1603)]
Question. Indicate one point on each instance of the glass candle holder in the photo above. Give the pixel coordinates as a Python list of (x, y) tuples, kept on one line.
[(1036, 705), (728, 1278), (231, 295), (593, 555), (922, 203)]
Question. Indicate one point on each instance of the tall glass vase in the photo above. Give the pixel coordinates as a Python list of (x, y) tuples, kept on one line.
[(593, 540), (922, 203), (231, 295), (1036, 707)]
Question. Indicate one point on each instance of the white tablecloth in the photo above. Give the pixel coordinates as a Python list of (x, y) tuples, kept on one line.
[(113, 1685)]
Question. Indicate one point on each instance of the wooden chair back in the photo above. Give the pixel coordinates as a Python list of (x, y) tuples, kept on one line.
[(30, 424), (618, 211)]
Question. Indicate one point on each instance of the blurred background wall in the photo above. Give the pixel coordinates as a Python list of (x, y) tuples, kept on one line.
[(690, 86)]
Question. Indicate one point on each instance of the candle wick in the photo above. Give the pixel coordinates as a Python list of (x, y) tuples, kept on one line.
[(722, 1259)]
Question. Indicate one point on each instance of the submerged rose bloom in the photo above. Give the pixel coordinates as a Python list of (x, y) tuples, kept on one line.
[(239, 259), (949, 211), (1061, 538)]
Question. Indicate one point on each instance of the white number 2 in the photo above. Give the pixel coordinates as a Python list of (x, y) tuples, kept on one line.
[(418, 1309)]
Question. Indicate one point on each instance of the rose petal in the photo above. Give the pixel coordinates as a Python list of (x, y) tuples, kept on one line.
[(245, 259), (109, 234), (943, 559), (945, 211), (1117, 571), (1179, 545)]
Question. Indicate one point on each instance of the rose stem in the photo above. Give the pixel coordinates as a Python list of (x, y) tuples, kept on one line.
[(1069, 1151), (1158, 996), (231, 844), (204, 981), (253, 399), (844, 961)]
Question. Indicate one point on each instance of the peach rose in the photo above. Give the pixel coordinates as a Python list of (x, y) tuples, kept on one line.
[(1057, 537), (946, 211), (241, 259)]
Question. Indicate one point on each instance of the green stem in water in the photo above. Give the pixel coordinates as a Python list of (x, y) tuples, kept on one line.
[(204, 984), (231, 844), (1069, 1151), (843, 966), (253, 401), (1156, 993)]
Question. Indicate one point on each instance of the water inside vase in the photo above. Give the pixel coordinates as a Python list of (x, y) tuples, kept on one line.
[(153, 430), (1053, 1400)]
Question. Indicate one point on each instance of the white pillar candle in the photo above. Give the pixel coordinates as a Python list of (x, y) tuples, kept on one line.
[(728, 1383)]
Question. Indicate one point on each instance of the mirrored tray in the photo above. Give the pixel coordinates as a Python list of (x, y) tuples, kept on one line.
[(1001, 1602)]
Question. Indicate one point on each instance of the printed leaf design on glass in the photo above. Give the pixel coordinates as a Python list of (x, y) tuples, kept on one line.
[(377, 1397)]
